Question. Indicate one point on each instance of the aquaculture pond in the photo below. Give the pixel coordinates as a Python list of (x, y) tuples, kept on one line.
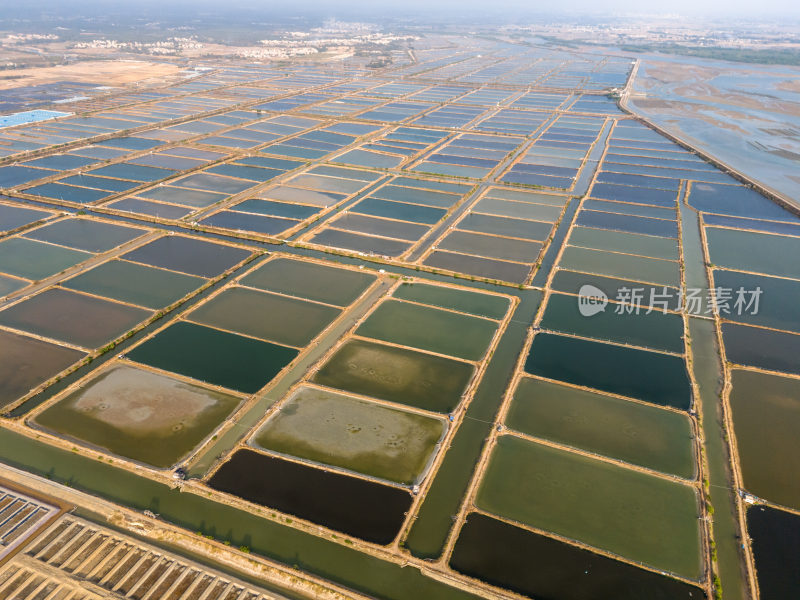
[(138, 414), (188, 255), (639, 516), (624, 266), (614, 288), (430, 329), (26, 362), (764, 348), (12, 216), (751, 251), (36, 260), (766, 419), (216, 357), (86, 234), (9, 285), (360, 243), (135, 284), (401, 230), (314, 281), (352, 433), (520, 209), (280, 319), (462, 300), (644, 375), (479, 266), (775, 536), (74, 318), (364, 509), (651, 329), (398, 375), (642, 435), (542, 567), (491, 247), (777, 303), (629, 243)]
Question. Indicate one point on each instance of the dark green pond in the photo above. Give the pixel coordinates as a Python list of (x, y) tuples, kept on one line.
[(649, 376), (214, 356), (656, 329)]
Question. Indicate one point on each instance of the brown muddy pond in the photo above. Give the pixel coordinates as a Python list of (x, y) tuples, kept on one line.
[(140, 415)]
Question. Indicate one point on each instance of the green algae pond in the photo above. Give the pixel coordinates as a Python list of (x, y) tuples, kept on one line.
[(482, 305), (397, 374), (625, 266), (641, 517), (137, 414), (352, 433), (430, 329), (280, 319), (642, 435)]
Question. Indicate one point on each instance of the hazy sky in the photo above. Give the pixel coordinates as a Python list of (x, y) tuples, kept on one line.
[(719, 9)]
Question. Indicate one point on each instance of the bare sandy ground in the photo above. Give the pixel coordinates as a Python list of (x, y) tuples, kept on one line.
[(101, 72)]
